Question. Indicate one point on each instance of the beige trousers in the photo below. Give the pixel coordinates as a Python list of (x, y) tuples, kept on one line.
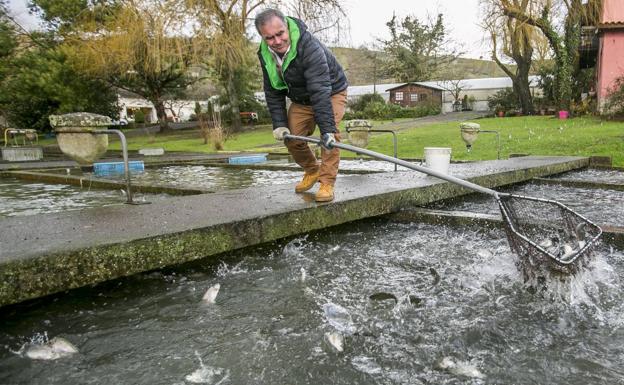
[(301, 122)]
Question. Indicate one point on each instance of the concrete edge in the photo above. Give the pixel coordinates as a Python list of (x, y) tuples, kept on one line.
[(37, 176), (611, 235), (47, 273), (580, 184)]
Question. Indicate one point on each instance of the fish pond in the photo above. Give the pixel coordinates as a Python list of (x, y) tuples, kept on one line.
[(410, 303), (28, 198)]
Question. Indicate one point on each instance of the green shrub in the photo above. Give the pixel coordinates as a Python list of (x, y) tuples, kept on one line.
[(504, 100), (360, 103), (615, 99), (139, 117)]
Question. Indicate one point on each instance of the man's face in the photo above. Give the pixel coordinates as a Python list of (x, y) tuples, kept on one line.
[(275, 33)]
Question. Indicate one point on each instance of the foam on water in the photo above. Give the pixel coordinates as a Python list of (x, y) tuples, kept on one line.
[(458, 295)]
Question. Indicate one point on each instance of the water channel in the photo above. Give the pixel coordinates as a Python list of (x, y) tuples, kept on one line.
[(425, 305)]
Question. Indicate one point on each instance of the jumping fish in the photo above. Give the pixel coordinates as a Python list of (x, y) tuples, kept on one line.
[(56, 348), (459, 368), (335, 340), (211, 294)]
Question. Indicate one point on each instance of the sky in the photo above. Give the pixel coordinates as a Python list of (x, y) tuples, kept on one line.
[(368, 18)]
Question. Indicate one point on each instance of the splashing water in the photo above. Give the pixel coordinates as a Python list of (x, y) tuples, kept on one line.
[(458, 296)]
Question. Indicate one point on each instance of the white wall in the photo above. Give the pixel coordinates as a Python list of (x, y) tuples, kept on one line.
[(183, 108)]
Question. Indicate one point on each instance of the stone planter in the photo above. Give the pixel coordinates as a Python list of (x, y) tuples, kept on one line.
[(84, 149), (359, 132), (469, 133)]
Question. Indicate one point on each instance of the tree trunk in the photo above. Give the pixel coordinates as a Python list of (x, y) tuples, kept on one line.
[(234, 102), (162, 115), (522, 86)]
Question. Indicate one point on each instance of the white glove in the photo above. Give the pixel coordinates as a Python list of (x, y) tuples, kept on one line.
[(279, 133), (328, 140)]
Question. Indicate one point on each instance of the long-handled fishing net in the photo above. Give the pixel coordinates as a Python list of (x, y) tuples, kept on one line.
[(545, 234)]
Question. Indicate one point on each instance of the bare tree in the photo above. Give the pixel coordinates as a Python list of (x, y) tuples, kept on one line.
[(453, 86), (326, 19), (516, 41)]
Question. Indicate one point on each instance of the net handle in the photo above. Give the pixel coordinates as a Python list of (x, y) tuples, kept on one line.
[(410, 165)]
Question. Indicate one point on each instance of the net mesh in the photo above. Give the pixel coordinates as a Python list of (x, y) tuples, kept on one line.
[(547, 235)]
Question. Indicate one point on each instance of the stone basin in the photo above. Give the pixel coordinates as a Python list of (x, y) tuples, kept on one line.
[(84, 149)]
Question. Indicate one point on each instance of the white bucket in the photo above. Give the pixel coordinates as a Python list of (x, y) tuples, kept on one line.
[(438, 158)]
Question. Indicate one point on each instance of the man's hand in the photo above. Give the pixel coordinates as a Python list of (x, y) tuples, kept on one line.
[(328, 140), (279, 133)]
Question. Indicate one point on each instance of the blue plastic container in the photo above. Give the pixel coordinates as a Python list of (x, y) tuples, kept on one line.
[(113, 168), (247, 159)]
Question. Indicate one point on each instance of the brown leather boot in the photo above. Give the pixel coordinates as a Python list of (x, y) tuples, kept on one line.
[(309, 179), (325, 193)]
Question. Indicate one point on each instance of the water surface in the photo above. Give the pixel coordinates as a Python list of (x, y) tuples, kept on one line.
[(459, 299)]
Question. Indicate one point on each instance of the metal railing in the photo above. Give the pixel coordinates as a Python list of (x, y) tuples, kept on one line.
[(497, 140), (394, 139), (124, 151), (25, 132)]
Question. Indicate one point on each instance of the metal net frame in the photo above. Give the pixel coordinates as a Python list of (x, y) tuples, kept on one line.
[(547, 235)]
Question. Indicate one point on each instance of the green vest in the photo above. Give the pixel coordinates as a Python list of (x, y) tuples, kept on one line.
[(277, 81)]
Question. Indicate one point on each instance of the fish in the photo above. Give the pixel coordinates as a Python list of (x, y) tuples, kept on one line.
[(335, 340), (211, 294), (436, 276), (381, 296), (567, 252), (303, 274), (415, 301), (54, 349), (459, 368), (545, 244)]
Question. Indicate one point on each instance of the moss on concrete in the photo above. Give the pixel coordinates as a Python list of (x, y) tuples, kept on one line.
[(53, 271)]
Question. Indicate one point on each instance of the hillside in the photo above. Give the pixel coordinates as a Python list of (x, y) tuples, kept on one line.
[(358, 65)]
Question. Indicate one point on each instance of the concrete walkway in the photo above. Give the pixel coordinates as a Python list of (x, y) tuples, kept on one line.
[(48, 253)]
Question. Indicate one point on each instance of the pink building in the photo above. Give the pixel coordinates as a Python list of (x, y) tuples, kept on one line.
[(611, 49)]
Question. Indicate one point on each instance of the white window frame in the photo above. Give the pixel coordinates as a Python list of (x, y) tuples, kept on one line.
[(398, 96), (413, 97)]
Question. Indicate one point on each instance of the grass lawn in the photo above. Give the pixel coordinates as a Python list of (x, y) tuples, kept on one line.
[(189, 140), (519, 135), (526, 135)]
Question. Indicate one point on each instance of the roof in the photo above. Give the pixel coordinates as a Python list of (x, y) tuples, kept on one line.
[(612, 13), (428, 85), (468, 84)]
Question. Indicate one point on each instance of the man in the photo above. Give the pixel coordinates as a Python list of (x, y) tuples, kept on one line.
[(296, 65)]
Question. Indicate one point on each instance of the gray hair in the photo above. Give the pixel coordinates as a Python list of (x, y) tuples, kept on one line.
[(263, 17)]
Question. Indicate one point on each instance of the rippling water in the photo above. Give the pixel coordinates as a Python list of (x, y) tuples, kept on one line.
[(27, 198), (601, 206), (213, 178), (461, 315), (594, 175)]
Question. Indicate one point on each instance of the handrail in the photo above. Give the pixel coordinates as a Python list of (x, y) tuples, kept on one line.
[(23, 131), (497, 140), (394, 139), (124, 151)]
